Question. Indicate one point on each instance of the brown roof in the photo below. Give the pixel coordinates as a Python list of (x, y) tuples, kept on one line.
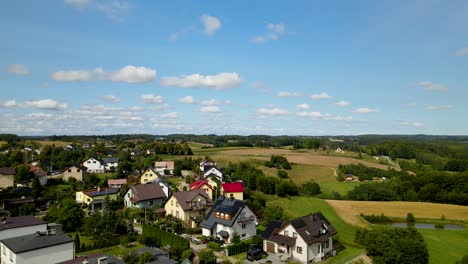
[(20, 221), (7, 171), (164, 164), (143, 192), (185, 198), (283, 240)]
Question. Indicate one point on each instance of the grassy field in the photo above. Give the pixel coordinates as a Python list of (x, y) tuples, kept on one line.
[(342, 188), (445, 246), (350, 210), (50, 143), (2, 142), (117, 251)]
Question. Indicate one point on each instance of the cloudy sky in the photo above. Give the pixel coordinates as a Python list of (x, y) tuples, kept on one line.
[(237, 67)]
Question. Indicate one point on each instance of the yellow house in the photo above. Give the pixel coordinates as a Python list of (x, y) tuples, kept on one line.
[(95, 197), (202, 185), (149, 175), (233, 190), (189, 206)]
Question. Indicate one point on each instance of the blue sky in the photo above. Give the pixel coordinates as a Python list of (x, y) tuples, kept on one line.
[(240, 67)]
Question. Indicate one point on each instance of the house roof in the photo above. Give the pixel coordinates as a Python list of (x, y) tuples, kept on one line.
[(233, 187), (281, 239), (185, 198), (207, 162), (164, 164), (99, 192), (143, 192), (110, 160), (229, 206), (312, 228), (93, 259), (198, 184), (274, 224), (117, 181), (7, 170), (20, 221), (33, 242), (80, 166)]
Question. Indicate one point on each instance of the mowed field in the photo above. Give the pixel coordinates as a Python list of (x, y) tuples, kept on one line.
[(350, 210), (55, 143)]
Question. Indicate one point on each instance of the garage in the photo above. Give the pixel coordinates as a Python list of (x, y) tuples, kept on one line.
[(270, 247)]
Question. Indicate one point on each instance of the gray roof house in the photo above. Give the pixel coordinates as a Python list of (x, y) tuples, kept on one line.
[(229, 216)]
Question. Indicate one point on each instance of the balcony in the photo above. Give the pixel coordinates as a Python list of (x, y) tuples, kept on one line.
[(245, 219)]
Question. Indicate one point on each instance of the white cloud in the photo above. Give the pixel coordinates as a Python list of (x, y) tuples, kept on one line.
[(10, 104), (78, 4), (187, 100), (19, 69), (136, 108), (171, 115), (210, 109), (429, 86), (113, 9), (110, 98), (365, 110), (152, 99), (320, 96), (274, 32), (288, 94), (211, 24), (341, 103), (262, 87), (438, 107), (413, 124), (210, 102), (412, 104), (128, 74), (48, 104), (272, 112), (133, 74), (218, 82), (310, 114), (462, 52), (303, 106)]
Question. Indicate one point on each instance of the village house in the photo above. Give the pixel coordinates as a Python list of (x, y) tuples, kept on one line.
[(95, 197), (233, 190), (7, 177), (188, 206), (150, 175), (144, 196), (97, 258), (20, 225), (205, 165), (116, 183), (50, 246), (164, 166), (77, 171), (202, 185), (305, 239), (94, 165), (167, 189), (227, 217), (110, 164), (214, 173)]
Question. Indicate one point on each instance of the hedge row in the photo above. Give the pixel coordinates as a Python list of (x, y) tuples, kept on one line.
[(243, 246), (159, 238)]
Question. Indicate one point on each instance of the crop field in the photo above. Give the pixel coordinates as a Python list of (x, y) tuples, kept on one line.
[(350, 210), (50, 143)]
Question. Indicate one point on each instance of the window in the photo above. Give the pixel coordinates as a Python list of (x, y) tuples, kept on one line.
[(222, 215), (242, 215), (172, 212), (177, 214), (226, 216), (172, 202), (244, 226), (327, 244), (294, 234), (78, 170), (286, 233), (11, 256), (299, 250), (232, 195), (94, 161), (150, 202), (177, 204), (319, 248), (69, 170), (217, 214)]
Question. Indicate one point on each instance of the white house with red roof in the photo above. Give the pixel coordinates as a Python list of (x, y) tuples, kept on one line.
[(203, 185), (233, 190)]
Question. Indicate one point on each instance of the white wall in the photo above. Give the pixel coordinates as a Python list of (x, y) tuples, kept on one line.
[(52, 254), (250, 227), (93, 165), (21, 231)]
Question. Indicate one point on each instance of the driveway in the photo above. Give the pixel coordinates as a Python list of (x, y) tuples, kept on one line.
[(271, 257)]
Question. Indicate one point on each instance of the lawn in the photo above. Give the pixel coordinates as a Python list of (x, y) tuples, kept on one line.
[(87, 240), (445, 246), (117, 251), (335, 186), (53, 143)]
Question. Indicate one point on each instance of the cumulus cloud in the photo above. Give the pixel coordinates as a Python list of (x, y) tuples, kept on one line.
[(272, 112), (412, 124), (171, 115), (110, 98), (365, 110), (210, 102), (210, 109), (10, 104), (288, 94), (303, 106), (429, 86), (152, 99), (19, 69), (310, 114), (438, 107), (128, 74), (48, 104), (328, 117), (320, 96), (274, 32), (187, 100), (211, 24), (220, 81), (462, 52), (341, 103)]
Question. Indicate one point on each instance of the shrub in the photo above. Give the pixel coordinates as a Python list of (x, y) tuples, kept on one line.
[(215, 246), (206, 256), (283, 174), (187, 254), (376, 218), (410, 218)]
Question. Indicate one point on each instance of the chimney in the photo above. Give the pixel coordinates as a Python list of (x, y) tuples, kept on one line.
[(102, 260)]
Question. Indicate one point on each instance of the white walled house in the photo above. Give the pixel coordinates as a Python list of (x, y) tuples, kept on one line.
[(214, 172), (144, 196), (94, 166), (205, 165), (110, 164), (42, 247), (162, 166), (305, 239), (229, 216), (21, 225)]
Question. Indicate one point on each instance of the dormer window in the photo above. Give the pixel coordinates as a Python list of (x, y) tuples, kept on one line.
[(217, 214), (286, 233)]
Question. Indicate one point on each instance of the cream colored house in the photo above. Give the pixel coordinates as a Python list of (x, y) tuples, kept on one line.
[(95, 197), (77, 172), (202, 185), (233, 190), (150, 175), (189, 206), (7, 177)]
